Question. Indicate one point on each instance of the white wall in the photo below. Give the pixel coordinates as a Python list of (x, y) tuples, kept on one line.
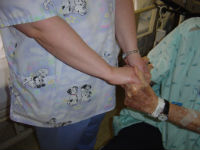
[(138, 4), (2, 54)]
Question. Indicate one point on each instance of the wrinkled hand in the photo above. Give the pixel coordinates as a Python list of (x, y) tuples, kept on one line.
[(148, 65), (141, 63), (141, 98)]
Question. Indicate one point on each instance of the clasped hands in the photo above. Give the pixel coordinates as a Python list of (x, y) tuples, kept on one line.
[(140, 96)]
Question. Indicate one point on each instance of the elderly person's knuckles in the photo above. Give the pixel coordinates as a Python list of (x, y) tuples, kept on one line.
[(134, 95), (150, 66), (132, 90), (129, 94), (146, 60), (137, 87)]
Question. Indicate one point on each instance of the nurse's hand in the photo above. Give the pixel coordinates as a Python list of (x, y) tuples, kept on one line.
[(142, 63), (123, 75)]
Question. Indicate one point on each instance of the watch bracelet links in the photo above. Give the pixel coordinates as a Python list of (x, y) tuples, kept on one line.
[(127, 53)]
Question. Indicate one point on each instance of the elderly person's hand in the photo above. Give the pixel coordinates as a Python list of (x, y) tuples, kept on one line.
[(141, 97)]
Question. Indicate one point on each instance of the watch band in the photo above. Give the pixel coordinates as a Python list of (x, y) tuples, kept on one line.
[(166, 108), (159, 108), (127, 53), (162, 110), (163, 116)]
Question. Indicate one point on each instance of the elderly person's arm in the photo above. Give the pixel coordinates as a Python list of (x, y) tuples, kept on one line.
[(145, 100)]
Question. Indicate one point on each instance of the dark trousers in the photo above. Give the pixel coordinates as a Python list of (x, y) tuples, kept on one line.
[(80, 136), (136, 137)]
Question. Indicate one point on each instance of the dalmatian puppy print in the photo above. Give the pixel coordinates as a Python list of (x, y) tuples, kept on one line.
[(79, 95), (80, 6), (86, 93), (47, 4), (73, 96), (68, 7), (53, 123), (108, 57), (36, 80)]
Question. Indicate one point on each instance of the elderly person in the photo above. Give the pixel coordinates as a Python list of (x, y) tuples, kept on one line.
[(165, 115), (144, 99)]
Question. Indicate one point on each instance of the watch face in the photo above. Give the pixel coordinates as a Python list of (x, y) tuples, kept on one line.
[(162, 117)]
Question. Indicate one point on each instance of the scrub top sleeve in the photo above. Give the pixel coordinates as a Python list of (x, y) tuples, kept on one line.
[(14, 12)]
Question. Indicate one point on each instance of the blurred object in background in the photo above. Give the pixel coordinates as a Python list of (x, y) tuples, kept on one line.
[(190, 8), (139, 4), (2, 54)]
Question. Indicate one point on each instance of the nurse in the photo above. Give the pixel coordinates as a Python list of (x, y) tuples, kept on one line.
[(62, 56)]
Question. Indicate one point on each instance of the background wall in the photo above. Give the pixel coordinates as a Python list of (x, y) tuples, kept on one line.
[(2, 54)]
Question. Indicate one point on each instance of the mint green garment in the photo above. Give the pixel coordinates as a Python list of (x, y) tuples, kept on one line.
[(176, 72)]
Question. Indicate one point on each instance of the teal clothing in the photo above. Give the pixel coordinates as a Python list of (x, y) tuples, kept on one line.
[(176, 73)]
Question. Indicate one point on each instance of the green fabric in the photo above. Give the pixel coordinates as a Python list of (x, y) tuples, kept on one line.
[(176, 73)]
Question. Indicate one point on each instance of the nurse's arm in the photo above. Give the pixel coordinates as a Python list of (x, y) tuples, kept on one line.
[(126, 24), (126, 34), (58, 38)]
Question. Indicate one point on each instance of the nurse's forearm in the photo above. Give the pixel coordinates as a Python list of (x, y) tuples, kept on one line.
[(56, 36), (126, 25)]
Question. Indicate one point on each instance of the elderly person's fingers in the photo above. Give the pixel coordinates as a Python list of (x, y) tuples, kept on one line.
[(145, 59), (141, 76), (149, 67), (132, 89)]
